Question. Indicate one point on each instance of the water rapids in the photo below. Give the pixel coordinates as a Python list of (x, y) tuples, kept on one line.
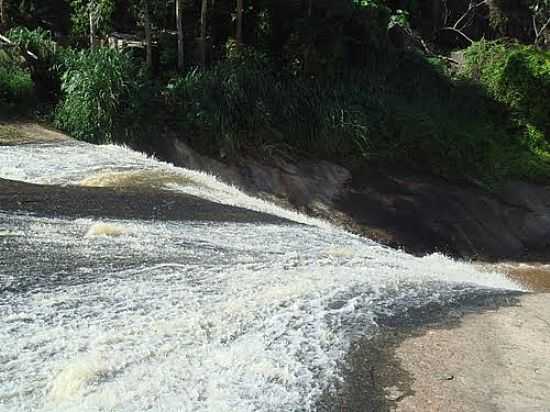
[(129, 315)]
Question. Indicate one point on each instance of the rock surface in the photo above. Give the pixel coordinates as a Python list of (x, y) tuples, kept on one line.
[(419, 213), (12, 133), (81, 202), (500, 361), (425, 214)]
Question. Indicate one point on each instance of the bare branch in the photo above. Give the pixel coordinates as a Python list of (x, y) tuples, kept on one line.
[(10, 43), (445, 13), (534, 20), (458, 26), (458, 32), (542, 30), (472, 6)]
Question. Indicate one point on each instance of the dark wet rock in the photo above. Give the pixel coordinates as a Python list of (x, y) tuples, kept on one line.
[(444, 377), (76, 201), (304, 184), (425, 214)]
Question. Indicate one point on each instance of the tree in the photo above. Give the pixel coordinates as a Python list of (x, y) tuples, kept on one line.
[(204, 16), (148, 34), (92, 17), (180, 33), (3, 14), (239, 31), (540, 18)]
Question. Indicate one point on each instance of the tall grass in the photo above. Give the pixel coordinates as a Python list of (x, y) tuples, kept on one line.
[(417, 118), (16, 86), (516, 75), (98, 87)]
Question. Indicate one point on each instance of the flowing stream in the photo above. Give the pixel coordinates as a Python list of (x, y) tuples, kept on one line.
[(129, 315)]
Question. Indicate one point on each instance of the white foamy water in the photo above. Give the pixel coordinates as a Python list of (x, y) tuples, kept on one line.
[(189, 316), (81, 163)]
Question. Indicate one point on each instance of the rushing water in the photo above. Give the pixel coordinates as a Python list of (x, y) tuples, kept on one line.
[(145, 315)]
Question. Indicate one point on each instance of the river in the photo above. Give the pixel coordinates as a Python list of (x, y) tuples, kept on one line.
[(103, 314)]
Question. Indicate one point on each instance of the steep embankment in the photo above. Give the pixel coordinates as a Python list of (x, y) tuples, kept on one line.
[(419, 213)]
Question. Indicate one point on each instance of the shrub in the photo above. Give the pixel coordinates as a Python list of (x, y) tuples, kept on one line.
[(516, 75), (97, 87), (423, 120), (16, 86), (37, 41), (44, 68)]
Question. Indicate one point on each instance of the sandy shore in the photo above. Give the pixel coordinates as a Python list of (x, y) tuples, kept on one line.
[(494, 361)]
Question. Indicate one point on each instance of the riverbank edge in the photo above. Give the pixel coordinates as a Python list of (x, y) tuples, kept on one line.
[(418, 213), (375, 376)]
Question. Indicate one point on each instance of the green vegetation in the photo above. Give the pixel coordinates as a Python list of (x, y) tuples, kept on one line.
[(352, 81), (42, 57), (517, 76), (425, 121), (16, 86), (97, 87)]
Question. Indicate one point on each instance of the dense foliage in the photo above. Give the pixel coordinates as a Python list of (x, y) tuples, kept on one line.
[(42, 57), (424, 121), (516, 75), (16, 86), (355, 81), (97, 87)]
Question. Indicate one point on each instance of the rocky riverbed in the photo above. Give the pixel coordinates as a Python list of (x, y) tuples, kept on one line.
[(483, 353)]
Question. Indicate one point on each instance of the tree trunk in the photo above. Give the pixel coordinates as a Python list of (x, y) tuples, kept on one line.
[(180, 34), (3, 14), (308, 46), (204, 15), (148, 36), (239, 34), (436, 15), (93, 25)]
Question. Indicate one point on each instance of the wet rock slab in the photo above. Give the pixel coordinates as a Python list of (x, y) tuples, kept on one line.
[(499, 361), (74, 201), (409, 366), (400, 208)]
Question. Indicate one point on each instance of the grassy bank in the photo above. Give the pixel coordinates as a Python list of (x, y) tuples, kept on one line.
[(486, 122)]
